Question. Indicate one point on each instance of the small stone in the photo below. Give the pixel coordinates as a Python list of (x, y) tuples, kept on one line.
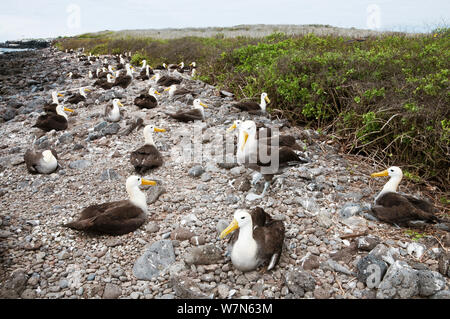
[(205, 177), (321, 293), (155, 259), (310, 262), (111, 129), (152, 227), (299, 282), (109, 175), (196, 171), (416, 250), (223, 291), (373, 267), (112, 291), (66, 138), (430, 282), (181, 234), (367, 243), (203, 255), (198, 240), (79, 164), (400, 281)]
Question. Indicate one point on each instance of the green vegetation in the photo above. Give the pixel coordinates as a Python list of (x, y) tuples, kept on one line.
[(386, 97), (415, 236)]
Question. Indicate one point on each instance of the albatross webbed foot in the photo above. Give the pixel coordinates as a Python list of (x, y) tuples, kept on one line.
[(251, 196)]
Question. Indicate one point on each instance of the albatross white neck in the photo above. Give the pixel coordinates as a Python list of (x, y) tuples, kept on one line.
[(390, 186), (263, 103), (137, 197)]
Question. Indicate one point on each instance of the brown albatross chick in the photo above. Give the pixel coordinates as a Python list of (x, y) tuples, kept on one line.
[(395, 208), (258, 241), (147, 156), (116, 218)]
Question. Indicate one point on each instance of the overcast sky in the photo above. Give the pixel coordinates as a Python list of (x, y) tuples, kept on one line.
[(50, 18)]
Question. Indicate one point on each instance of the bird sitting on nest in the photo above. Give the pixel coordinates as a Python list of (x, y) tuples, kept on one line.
[(41, 162), (177, 91), (78, 97), (147, 100), (253, 107), (112, 111), (395, 208), (147, 156), (124, 80), (119, 217), (105, 84), (195, 114), (53, 121), (257, 239)]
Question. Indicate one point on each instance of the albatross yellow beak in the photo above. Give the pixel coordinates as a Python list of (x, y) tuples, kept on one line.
[(267, 99), (167, 89), (68, 110), (233, 226), (147, 182), (232, 127), (245, 139), (204, 105), (157, 92), (120, 104), (379, 174), (159, 129), (59, 94), (87, 90)]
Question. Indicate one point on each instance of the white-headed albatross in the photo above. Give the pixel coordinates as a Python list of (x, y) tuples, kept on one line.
[(257, 239), (119, 217)]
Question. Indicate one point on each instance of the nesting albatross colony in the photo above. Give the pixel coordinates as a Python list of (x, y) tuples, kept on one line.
[(203, 222)]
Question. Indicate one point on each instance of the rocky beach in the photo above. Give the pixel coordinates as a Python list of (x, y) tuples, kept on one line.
[(333, 249)]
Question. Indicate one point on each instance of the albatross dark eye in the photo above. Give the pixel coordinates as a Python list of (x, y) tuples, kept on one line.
[(243, 217)]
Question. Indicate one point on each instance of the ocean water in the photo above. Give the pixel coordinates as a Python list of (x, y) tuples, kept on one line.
[(3, 50)]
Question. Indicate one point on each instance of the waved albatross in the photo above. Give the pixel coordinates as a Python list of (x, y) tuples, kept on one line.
[(253, 107), (395, 208), (258, 239), (147, 156), (112, 112), (119, 217), (147, 100), (53, 121), (267, 159), (41, 162), (197, 113)]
